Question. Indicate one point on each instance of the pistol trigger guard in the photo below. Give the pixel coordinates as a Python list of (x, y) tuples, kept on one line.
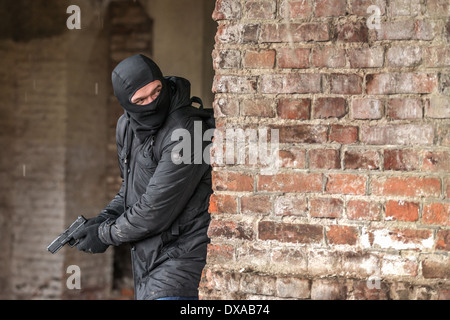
[(73, 242)]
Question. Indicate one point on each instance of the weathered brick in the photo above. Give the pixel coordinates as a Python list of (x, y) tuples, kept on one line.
[(290, 287), (436, 214), (343, 183), (345, 84), (264, 59), (342, 235), (366, 57), (399, 239), (290, 182), (350, 31), (329, 108), (401, 134), (302, 133), (289, 232), (296, 8), (436, 267), (226, 9), (257, 108), (402, 210), (404, 56), (328, 289), (392, 83), (404, 108), (256, 204), (259, 10), (231, 229), (293, 58), (294, 109), (367, 108), (290, 206), (330, 8), (328, 56), (361, 159), (292, 158), (359, 7), (436, 161), (226, 59), (296, 32), (438, 107), (407, 187), (401, 159), (324, 159), (326, 207), (234, 84), (232, 181), (363, 210), (222, 203), (290, 83), (394, 265), (443, 240), (343, 134)]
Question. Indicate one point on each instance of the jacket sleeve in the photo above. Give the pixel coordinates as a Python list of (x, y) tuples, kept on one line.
[(116, 206), (167, 193)]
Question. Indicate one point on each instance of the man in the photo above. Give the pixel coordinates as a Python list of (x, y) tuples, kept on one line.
[(162, 205)]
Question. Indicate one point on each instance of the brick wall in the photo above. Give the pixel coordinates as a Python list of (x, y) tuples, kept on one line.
[(359, 207)]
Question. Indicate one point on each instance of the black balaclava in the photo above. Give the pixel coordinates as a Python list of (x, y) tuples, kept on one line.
[(128, 77)]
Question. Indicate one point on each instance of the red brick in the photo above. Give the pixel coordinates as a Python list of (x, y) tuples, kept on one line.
[(391, 83), (296, 8), (330, 8), (302, 133), (401, 159), (346, 184), (405, 108), (436, 161), (290, 182), (438, 107), (438, 8), (328, 56), (343, 134), (222, 203), (345, 84), (396, 30), (291, 287), (361, 159), (225, 107), (329, 108), (399, 134), (256, 204), (326, 207), (402, 210), (363, 210), (293, 58), (293, 158), (220, 253), (264, 59), (288, 232), (294, 109), (366, 57), (367, 108), (407, 187), (436, 213), (226, 59), (352, 31), (232, 181), (443, 240), (342, 235), (290, 83), (230, 229), (447, 188), (324, 159)]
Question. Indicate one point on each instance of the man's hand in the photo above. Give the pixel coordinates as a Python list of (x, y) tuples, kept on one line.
[(88, 238)]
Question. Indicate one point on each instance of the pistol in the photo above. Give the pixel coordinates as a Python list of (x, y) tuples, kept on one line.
[(67, 236)]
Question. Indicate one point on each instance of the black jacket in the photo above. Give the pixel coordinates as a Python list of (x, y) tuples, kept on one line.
[(166, 218)]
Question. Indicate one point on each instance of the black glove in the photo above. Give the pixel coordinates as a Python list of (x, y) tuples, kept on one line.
[(88, 238)]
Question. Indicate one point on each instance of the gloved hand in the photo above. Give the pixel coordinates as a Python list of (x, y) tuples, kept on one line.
[(88, 239)]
